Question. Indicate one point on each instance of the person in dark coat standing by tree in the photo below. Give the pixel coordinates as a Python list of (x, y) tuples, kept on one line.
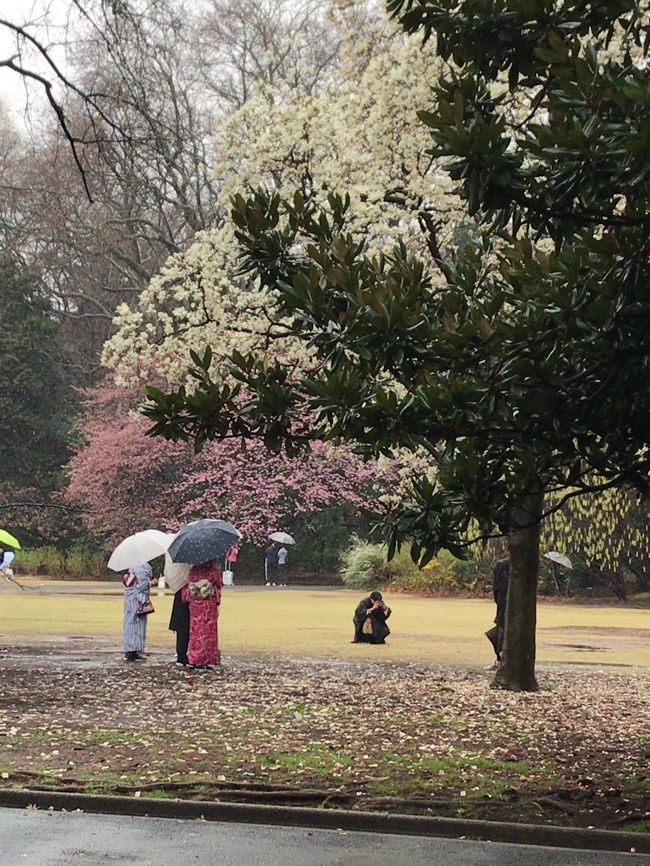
[(180, 623), (500, 580)]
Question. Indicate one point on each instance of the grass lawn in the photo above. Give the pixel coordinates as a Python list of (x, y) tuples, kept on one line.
[(301, 716), (317, 624)]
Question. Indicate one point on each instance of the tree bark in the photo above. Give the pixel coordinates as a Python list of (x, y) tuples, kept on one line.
[(517, 670)]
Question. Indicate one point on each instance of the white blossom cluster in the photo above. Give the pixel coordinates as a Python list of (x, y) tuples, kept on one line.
[(358, 134)]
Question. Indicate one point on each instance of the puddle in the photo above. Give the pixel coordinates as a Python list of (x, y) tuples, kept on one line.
[(579, 647)]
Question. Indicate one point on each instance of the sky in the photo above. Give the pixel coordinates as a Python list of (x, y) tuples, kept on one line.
[(12, 87)]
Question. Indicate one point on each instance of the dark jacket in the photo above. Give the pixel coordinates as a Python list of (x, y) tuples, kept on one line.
[(500, 580), (180, 618), (380, 630)]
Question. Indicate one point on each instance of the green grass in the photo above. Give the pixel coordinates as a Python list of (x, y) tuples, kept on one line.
[(280, 622), (479, 777), (319, 760), (638, 826), (49, 782)]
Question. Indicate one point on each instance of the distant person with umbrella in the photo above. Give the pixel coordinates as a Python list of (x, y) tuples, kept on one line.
[(176, 575), (271, 564), (7, 556), (277, 556), (559, 562), (283, 557), (179, 622), (131, 557), (203, 544)]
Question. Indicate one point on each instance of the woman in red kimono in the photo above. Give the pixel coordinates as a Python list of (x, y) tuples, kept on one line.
[(203, 594)]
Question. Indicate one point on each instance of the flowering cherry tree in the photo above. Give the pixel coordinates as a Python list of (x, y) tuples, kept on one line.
[(124, 481)]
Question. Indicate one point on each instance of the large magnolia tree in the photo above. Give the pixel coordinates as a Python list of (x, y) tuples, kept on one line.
[(524, 366)]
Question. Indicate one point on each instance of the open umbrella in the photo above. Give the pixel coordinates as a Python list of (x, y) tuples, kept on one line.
[(282, 537), (139, 548), (8, 538), (176, 574), (560, 558), (203, 540)]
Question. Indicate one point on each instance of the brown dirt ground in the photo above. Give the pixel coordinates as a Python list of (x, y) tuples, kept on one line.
[(396, 736)]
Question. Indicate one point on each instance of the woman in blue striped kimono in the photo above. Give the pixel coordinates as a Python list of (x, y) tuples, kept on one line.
[(137, 582)]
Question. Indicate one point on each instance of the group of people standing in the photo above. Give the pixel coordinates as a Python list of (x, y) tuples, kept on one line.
[(195, 612), (276, 560), (194, 617)]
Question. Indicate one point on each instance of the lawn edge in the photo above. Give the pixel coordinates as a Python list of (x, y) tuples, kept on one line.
[(332, 819)]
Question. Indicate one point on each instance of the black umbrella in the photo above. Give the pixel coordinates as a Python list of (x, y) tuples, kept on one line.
[(203, 540)]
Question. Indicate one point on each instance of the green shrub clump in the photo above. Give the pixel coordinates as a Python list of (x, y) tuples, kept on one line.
[(365, 566), (79, 562)]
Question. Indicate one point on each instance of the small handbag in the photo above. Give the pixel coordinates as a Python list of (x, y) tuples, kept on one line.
[(145, 608), (367, 626)]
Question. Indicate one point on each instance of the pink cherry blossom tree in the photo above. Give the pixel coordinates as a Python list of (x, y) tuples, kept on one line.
[(123, 481)]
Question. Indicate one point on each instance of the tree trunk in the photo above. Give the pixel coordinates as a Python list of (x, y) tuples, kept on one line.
[(517, 670)]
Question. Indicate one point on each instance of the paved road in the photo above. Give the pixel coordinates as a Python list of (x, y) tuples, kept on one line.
[(73, 839)]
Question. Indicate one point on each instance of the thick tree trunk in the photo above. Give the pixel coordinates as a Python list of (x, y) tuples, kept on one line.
[(517, 670)]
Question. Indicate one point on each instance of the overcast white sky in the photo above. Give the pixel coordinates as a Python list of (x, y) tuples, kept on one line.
[(12, 88)]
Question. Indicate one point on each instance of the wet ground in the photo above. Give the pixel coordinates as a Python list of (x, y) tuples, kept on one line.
[(398, 736), (60, 839)]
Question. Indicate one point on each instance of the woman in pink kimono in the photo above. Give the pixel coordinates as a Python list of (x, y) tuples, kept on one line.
[(203, 594)]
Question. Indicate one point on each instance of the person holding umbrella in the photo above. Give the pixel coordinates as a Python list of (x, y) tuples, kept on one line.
[(202, 544), (279, 556), (137, 606), (179, 622), (203, 596), (131, 557), (7, 556), (176, 575)]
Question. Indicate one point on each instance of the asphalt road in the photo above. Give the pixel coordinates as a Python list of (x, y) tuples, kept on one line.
[(40, 838)]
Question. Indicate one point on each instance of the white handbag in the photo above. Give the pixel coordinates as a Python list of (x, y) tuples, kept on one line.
[(228, 578)]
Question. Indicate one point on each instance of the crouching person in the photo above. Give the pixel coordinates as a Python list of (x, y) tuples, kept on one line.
[(370, 620)]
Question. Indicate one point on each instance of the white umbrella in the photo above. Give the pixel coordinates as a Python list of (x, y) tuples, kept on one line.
[(176, 574), (138, 548), (282, 537), (560, 558)]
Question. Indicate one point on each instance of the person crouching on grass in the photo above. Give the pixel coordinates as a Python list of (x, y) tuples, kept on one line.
[(370, 620)]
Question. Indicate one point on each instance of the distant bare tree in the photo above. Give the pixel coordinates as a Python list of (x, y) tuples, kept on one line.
[(120, 177), (245, 43)]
